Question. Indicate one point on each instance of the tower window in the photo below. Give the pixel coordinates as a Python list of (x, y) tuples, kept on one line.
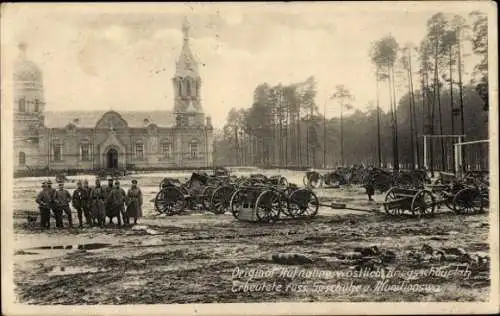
[(179, 86), (22, 158), (188, 87), (22, 105), (37, 105)]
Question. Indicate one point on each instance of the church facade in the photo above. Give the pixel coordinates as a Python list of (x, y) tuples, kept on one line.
[(92, 140)]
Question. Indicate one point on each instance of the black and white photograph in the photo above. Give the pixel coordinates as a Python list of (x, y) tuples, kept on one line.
[(234, 158)]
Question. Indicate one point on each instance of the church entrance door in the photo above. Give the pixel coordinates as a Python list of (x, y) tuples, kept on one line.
[(112, 159)]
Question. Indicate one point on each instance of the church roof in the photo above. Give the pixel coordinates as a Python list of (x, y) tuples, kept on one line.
[(26, 70), (89, 119), (187, 64)]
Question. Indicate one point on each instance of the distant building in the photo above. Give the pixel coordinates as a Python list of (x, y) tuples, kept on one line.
[(125, 139)]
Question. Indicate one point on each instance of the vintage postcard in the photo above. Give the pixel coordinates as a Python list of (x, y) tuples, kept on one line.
[(273, 158)]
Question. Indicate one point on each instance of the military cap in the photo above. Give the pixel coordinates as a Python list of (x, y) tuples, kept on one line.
[(49, 182), (85, 181), (61, 184), (79, 182), (117, 182), (134, 181), (109, 178)]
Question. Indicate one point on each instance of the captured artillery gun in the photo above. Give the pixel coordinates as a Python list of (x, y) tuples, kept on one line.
[(454, 193), (174, 196), (382, 179), (256, 201)]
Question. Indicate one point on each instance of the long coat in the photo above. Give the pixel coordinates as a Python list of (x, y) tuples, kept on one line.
[(134, 202), (116, 202), (97, 196)]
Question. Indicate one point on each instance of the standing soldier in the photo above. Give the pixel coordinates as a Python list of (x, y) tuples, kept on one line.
[(370, 187), (52, 193), (134, 202), (44, 201), (62, 199), (107, 192), (98, 206), (116, 202), (78, 200), (87, 203)]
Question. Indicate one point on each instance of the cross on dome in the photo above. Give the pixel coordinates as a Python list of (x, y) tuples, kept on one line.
[(185, 28)]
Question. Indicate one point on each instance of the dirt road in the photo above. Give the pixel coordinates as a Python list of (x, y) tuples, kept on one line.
[(205, 258)]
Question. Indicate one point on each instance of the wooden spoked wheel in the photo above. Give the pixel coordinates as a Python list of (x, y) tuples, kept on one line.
[(207, 197), (392, 208), (303, 202), (423, 203), (268, 206), (313, 180), (468, 201), (236, 202), (170, 201), (221, 199)]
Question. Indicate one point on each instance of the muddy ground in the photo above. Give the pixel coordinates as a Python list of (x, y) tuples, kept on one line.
[(338, 256)]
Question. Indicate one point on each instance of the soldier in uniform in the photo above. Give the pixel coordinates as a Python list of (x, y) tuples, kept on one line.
[(116, 203), (98, 206), (78, 200), (44, 201), (370, 187), (87, 203), (62, 199), (134, 202), (107, 191), (52, 193)]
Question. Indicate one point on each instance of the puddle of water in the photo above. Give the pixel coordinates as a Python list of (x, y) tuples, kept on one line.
[(91, 246), (72, 270)]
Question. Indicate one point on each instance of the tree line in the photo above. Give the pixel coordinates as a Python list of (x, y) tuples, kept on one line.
[(285, 127)]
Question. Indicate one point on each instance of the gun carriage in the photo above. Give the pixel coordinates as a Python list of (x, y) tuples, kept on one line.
[(455, 194), (260, 202)]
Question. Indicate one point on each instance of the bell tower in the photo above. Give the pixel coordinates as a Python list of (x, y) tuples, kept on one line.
[(187, 85), (29, 106)]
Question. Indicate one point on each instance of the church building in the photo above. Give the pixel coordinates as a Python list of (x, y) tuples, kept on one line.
[(92, 140)]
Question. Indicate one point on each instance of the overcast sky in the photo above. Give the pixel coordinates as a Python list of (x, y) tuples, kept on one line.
[(122, 56)]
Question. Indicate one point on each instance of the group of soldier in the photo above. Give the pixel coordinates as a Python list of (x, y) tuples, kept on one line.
[(96, 203)]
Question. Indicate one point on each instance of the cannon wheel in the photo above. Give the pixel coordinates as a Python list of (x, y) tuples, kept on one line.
[(303, 202), (283, 181), (236, 203), (314, 184), (268, 206), (423, 203), (207, 197), (170, 201), (391, 196), (221, 199), (468, 201)]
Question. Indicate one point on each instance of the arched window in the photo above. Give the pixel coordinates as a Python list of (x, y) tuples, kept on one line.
[(37, 105), (139, 150), (22, 158), (85, 150), (166, 149), (22, 105), (57, 150), (188, 87), (193, 149), (179, 87)]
